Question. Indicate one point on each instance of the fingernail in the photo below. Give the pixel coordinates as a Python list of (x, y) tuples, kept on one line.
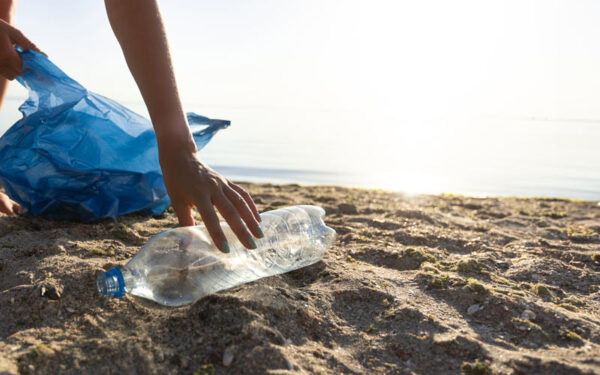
[(225, 247), (251, 243), (260, 232), (259, 218)]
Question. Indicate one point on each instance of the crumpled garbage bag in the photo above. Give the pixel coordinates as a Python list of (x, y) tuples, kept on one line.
[(78, 155)]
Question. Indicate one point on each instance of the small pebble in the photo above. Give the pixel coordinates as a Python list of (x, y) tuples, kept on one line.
[(227, 359), (228, 356), (528, 315), (472, 309)]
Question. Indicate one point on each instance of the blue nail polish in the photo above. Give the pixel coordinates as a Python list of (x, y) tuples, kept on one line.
[(225, 247), (260, 232), (251, 243)]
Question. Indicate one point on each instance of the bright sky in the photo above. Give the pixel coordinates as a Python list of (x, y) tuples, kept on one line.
[(411, 95), (400, 58)]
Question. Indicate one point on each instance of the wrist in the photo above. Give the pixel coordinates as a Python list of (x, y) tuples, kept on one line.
[(170, 144), (174, 136)]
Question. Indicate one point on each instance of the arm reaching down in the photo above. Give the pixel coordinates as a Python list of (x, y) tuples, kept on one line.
[(138, 26)]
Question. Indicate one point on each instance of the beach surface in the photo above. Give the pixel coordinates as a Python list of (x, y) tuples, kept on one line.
[(414, 284)]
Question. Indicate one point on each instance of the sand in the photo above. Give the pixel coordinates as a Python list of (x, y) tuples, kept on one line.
[(414, 284)]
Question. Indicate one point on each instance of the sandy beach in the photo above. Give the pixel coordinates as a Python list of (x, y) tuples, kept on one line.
[(414, 284)]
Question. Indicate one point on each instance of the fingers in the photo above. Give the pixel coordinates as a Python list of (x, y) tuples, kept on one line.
[(247, 198), (232, 216), (10, 70), (211, 221), (184, 214), (4, 208), (8, 207), (10, 62), (19, 39), (244, 211)]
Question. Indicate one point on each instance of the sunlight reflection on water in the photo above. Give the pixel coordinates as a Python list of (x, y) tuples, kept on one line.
[(477, 156)]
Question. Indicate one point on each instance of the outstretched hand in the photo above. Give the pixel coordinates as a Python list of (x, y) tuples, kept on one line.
[(139, 28), (190, 184), (10, 62)]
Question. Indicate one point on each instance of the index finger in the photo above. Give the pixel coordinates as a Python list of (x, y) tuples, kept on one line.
[(213, 226), (21, 40)]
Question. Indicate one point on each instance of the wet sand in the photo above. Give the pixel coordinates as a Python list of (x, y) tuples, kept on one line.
[(414, 284)]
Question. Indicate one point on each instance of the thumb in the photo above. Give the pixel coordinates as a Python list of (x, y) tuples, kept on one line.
[(184, 214), (18, 38)]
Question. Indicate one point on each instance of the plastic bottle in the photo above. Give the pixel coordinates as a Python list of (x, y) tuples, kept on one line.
[(181, 265)]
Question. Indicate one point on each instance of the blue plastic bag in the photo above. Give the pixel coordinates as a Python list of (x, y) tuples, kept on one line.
[(79, 155)]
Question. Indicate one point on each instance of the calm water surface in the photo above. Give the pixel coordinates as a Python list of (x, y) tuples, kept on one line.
[(470, 155)]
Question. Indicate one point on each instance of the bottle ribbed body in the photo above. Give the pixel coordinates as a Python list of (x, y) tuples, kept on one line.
[(181, 265)]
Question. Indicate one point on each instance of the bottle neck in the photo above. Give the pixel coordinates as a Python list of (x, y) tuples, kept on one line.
[(111, 284)]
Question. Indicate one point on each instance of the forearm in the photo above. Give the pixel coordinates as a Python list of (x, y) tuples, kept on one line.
[(140, 31), (138, 26), (8, 10)]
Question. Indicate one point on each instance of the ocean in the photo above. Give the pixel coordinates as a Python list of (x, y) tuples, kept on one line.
[(470, 155)]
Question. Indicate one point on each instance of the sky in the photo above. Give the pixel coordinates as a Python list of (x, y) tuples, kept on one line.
[(399, 58), (422, 96)]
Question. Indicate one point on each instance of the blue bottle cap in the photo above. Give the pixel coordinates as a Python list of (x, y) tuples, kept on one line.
[(111, 284)]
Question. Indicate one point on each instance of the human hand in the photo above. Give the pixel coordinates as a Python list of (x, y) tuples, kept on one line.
[(190, 184), (7, 206), (139, 28), (10, 62)]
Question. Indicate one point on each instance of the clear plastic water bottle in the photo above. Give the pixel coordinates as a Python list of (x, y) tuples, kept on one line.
[(181, 265)]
